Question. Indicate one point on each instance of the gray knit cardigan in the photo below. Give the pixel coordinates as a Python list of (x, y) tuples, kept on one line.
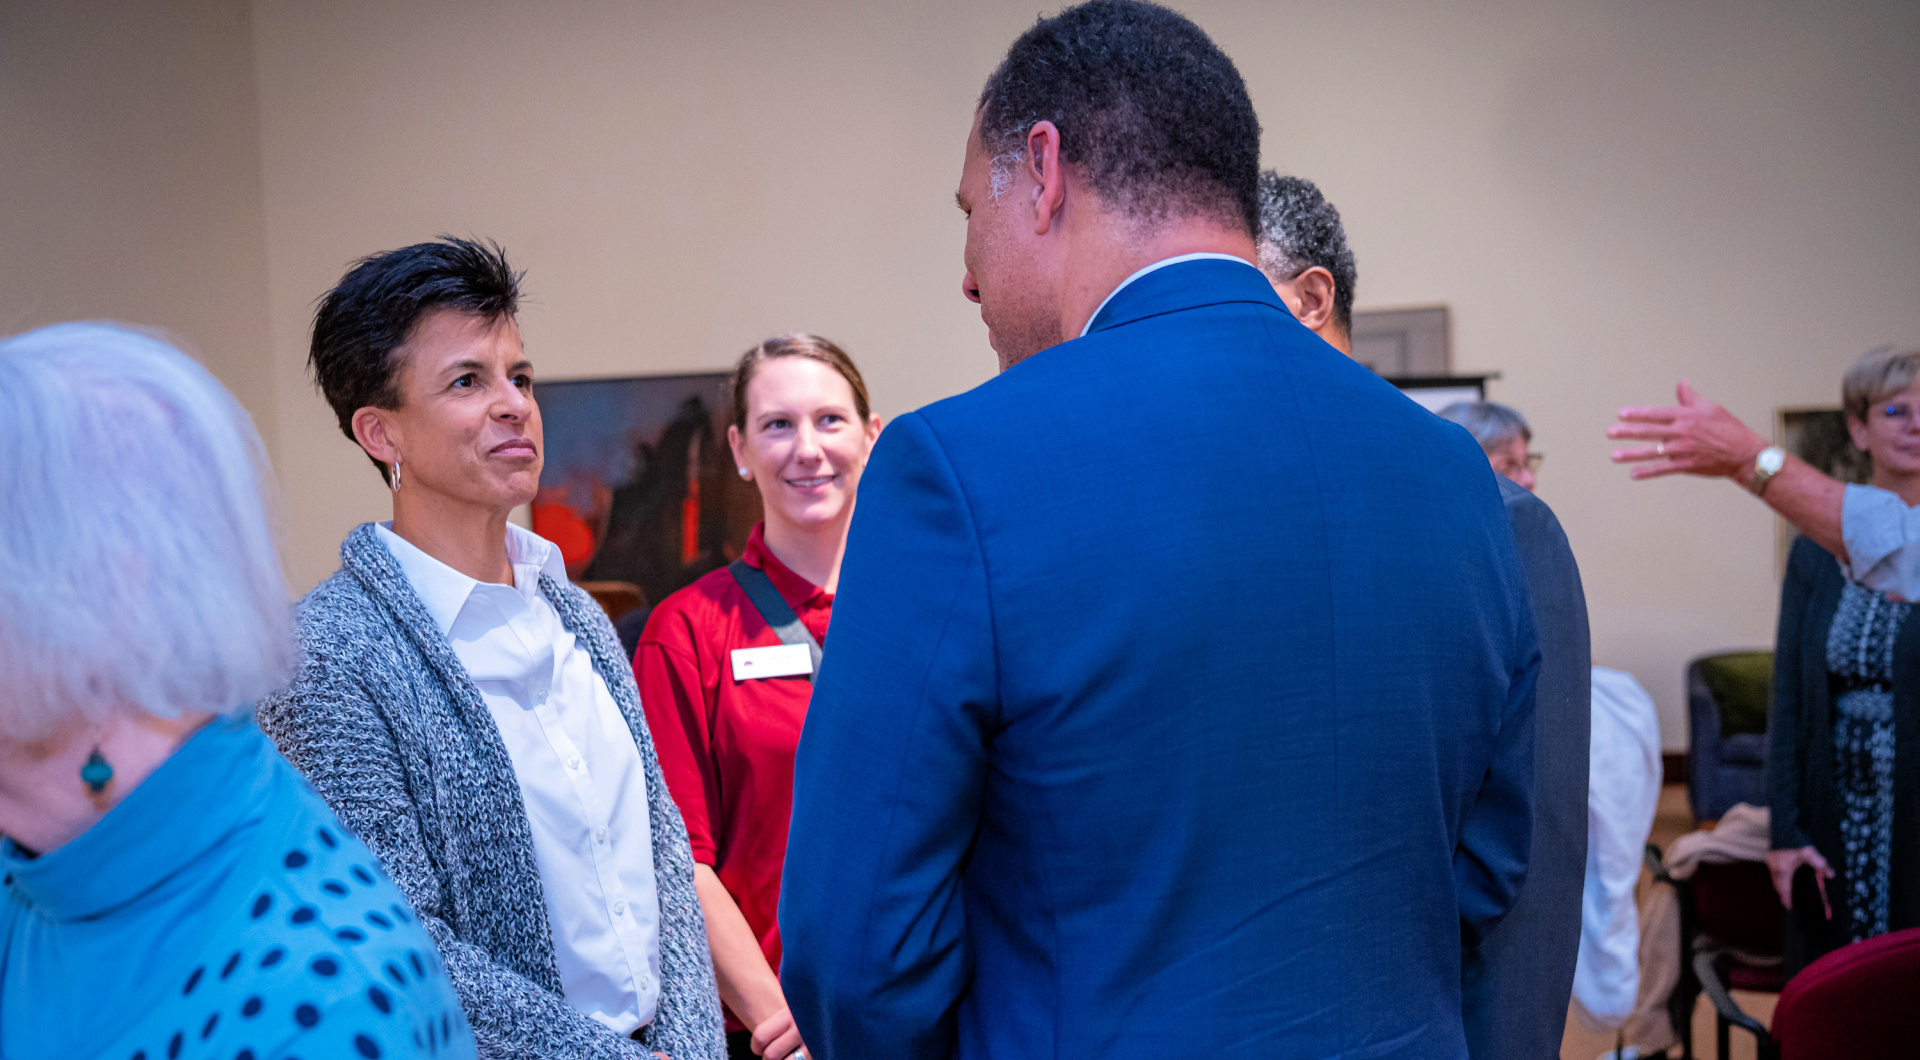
[(384, 721)]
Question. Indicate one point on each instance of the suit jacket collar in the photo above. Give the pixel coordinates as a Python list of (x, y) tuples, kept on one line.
[(1187, 285)]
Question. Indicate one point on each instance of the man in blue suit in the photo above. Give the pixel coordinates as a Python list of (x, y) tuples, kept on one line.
[(1178, 701)]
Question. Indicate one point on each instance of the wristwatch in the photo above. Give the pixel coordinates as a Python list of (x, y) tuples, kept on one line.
[(1765, 466)]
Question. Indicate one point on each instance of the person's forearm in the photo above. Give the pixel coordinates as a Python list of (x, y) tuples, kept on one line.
[(1809, 500), (1698, 437), (747, 983)]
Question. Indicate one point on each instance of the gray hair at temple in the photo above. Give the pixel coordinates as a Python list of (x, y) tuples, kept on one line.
[(1491, 424), (1299, 229), (138, 565), (1880, 373)]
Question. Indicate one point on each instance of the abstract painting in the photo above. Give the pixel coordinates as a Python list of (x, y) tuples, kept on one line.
[(639, 485)]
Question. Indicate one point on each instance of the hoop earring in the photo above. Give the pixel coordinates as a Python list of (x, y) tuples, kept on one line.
[(396, 474), (97, 772)]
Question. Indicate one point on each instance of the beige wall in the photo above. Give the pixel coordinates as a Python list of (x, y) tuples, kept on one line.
[(1607, 195), (130, 177)]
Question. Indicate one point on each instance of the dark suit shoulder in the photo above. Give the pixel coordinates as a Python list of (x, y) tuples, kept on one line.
[(1531, 516)]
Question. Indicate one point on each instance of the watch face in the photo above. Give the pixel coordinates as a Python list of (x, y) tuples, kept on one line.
[(1771, 460)]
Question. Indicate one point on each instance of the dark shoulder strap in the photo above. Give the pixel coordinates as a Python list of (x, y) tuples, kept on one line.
[(767, 600)]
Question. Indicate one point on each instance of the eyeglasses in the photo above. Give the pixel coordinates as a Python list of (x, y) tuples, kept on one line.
[(1532, 462)]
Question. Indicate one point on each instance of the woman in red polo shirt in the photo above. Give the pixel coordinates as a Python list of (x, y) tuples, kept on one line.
[(724, 696)]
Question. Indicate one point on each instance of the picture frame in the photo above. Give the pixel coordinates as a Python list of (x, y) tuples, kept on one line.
[(639, 490)]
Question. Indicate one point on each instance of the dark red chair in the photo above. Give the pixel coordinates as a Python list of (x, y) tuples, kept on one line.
[(1857, 1002), (1724, 905)]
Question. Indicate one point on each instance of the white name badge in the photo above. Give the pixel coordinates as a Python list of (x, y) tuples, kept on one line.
[(781, 660)]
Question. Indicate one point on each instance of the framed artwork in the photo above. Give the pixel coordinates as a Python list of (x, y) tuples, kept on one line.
[(1434, 393), (639, 485), (1411, 343), (1818, 436)]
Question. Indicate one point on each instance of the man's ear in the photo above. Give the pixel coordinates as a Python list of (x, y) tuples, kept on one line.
[(372, 429), (1048, 175), (1315, 289)]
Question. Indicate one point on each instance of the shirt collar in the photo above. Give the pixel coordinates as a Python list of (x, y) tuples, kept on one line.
[(1161, 264), (794, 589), (444, 591)]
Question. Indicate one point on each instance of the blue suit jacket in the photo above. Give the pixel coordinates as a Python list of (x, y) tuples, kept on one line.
[(1178, 702)]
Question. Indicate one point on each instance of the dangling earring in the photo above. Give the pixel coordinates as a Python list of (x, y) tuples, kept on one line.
[(744, 474), (97, 772), (396, 474)]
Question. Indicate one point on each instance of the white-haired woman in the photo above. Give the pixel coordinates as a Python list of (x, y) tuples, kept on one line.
[(171, 885)]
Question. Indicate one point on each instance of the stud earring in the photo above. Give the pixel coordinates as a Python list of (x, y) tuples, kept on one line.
[(744, 474), (97, 772), (396, 474)]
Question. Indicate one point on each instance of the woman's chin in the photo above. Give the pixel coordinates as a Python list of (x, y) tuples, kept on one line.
[(813, 514), (1898, 463)]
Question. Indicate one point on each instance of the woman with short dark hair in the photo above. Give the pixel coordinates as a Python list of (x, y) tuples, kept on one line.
[(467, 709), (171, 885), (725, 665)]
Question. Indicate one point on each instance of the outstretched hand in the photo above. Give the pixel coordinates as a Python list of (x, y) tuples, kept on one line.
[(1695, 437), (1782, 864)]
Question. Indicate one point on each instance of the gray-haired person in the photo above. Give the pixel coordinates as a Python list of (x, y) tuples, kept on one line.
[(1303, 250), (468, 710), (1515, 985), (1503, 435), (169, 879)]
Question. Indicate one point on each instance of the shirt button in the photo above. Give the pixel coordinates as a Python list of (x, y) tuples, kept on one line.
[(600, 834), (574, 762), (646, 981), (619, 909)]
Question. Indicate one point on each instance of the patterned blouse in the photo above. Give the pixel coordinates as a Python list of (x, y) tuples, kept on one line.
[(1860, 666)]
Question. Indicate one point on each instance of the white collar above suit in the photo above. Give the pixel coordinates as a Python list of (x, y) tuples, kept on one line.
[(1156, 266)]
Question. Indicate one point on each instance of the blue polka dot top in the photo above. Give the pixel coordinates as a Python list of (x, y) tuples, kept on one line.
[(219, 912)]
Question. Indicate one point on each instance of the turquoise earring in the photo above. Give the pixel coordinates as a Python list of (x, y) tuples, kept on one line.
[(97, 772)]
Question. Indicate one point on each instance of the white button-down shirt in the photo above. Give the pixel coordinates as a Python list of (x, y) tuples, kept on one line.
[(577, 765)]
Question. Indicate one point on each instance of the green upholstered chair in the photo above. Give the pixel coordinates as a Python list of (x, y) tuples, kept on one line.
[(1728, 694)]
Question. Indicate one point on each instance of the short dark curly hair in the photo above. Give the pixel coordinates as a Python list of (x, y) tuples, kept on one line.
[(1150, 110), (371, 311), (1299, 229)]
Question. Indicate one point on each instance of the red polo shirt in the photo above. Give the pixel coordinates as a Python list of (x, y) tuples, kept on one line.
[(725, 746)]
